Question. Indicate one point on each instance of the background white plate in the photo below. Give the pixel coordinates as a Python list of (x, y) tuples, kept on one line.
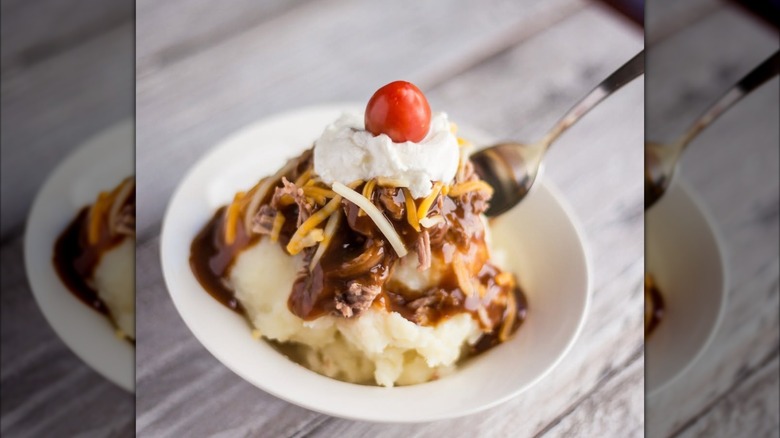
[(685, 257), (100, 164), (540, 237)]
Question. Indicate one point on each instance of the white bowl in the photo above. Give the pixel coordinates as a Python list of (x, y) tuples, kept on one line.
[(544, 249), (100, 164), (685, 257)]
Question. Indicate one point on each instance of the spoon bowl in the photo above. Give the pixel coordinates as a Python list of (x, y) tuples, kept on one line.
[(660, 164), (511, 169)]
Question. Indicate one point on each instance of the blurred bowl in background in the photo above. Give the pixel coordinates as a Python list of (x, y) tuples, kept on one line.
[(685, 258), (100, 164)]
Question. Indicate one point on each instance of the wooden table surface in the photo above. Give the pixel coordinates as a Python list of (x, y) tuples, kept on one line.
[(696, 50), (510, 68), (67, 74), (507, 67)]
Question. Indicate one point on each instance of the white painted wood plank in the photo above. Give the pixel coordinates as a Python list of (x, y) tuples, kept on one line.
[(173, 29), (33, 31), (326, 51), (750, 410), (517, 94), (54, 106), (45, 388), (664, 18), (745, 210), (687, 72), (733, 166), (616, 409)]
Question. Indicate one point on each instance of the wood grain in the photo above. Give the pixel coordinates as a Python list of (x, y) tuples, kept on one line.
[(611, 342), (325, 51), (176, 29), (507, 67), (66, 75), (34, 31), (54, 106), (749, 410), (664, 18), (686, 73), (733, 167), (46, 389)]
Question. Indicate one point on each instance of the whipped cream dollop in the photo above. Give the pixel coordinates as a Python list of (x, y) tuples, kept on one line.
[(346, 152)]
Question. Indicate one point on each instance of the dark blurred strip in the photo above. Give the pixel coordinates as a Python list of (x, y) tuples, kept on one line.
[(766, 11), (634, 10)]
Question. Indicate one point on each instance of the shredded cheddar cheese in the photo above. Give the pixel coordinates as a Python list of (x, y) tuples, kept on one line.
[(231, 221), (470, 186), (425, 205), (276, 229), (314, 237), (303, 178), (505, 279), (297, 242), (411, 210), (368, 189), (318, 193), (95, 213)]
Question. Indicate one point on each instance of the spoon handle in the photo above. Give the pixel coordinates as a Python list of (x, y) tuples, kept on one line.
[(625, 74), (751, 81)]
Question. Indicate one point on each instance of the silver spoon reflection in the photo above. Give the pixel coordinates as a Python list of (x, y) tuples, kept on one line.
[(511, 168), (661, 159)]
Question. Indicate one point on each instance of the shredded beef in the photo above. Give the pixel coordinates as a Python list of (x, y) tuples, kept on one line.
[(372, 255), (479, 201), (362, 227), (427, 306), (393, 208), (424, 251), (305, 208), (355, 299), (263, 221)]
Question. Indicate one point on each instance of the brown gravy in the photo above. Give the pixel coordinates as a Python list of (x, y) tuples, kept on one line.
[(312, 295), (75, 257), (211, 259), (75, 260), (656, 302)]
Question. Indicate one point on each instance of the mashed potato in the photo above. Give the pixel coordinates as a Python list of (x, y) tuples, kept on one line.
[(377, 347), (114, 279)]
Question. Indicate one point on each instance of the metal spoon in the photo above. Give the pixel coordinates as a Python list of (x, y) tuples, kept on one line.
[(511, 168), (661, 159)]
